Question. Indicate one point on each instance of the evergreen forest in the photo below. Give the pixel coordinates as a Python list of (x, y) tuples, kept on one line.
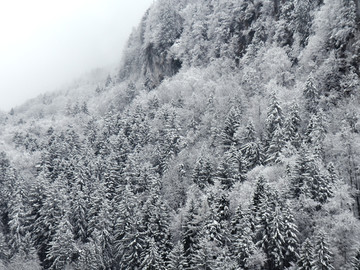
[(228, 138)]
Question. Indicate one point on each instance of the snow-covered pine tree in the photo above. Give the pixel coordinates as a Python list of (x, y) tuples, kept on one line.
[(274, 130), (190, 232), (62, 246), (151, 258), (322, 254), (203, 173), (355, 261), (232, 123), (292, 126), (306, 257), (291, 232), (311, 95), (177, 260)]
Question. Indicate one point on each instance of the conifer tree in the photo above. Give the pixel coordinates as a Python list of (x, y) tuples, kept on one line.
[(276, 240), (102, 234), (232, 123), (232, 168), (316, 133), (155, 219), (203, 173), (291, 232), (190, 233), (133, 244), (311, 95), (177, 260), (244, 246), (322, 255), (274, 130), (151, 257), (292, 126), (355, 262), (300, 175), (17, 222), (306, 257), (204, 257), (89, 258), (62, 246)]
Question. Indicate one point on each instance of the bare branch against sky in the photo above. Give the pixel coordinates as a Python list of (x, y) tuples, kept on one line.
[(47, 43)]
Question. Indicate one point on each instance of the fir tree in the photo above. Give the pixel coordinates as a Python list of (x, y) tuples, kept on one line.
[(291, 232), (316, 133), (311, 95), (177, 260), (306, 257), (203, 173), (276, 240), (244, 246), (355, 262), (322, 255), (17, 222), (151, 257), (190, 232), (204, 257), (232, 123), (88, 257), (274, 130), (62, 246), (292, 126)]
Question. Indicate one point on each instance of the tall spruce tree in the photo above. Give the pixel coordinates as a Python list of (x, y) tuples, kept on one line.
[(306, 257), (322, 254), (274, 130)]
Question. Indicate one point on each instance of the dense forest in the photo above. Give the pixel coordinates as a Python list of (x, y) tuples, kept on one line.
[(228, 138)]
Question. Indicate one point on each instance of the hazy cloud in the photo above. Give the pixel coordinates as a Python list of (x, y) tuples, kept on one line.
[(47, 43)]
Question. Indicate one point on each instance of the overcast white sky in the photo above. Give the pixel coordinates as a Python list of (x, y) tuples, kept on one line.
[(46, 43)]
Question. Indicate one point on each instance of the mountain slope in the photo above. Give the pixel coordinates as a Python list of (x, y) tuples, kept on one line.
[(227, 139)]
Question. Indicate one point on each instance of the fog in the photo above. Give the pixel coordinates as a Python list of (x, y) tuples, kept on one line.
[(45, 44)]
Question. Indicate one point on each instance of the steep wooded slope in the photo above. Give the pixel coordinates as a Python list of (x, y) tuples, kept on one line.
[(228, 139)]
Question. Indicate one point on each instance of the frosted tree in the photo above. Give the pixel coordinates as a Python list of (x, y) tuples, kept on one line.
[(316, 133), (276, 240), (232, 168), (292, 126), (355, 261), (322, 255), (190, 232), (203, 257), (291, 245), (62, 246), (306, 257), (203, 172), (311, 95), (244, 246), (17, 222), (151, 257), (231, 125), (274, 130), (177, 260)]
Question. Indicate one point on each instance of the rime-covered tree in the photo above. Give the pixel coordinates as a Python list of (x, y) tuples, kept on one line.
[(62, 246), (306, 257), (232, 168), (292, 126), (231, 125), (355, 261), (311, 95), (322, 254), (291, 245), (190, 232), (274, 130), (151, 258), (203, 172), (176, 257)]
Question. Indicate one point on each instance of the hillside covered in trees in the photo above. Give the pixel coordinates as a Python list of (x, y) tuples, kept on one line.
[(227, 139)]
